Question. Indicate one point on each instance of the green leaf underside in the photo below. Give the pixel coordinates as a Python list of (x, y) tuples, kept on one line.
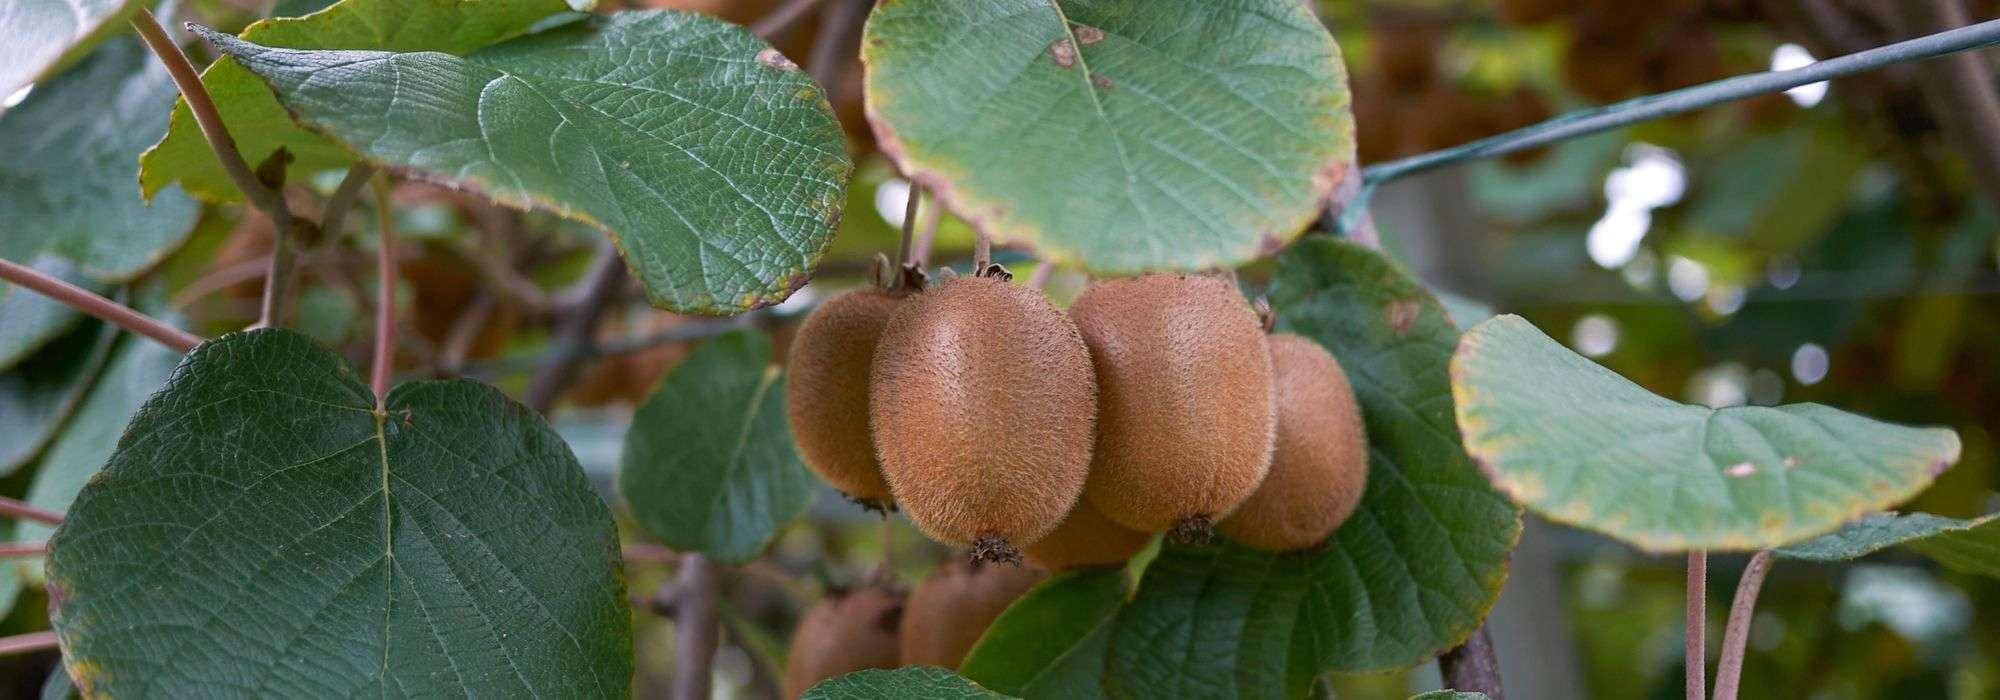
[(1579, 444), (261, 532), (911, 683), (137, 368), (37, 396), (1052, 642), (38, 35), (260, 126), (713, 162), (1971, 546), (708, 464), (1122, 135), (29, 320), (66, 186), (1422, 559)]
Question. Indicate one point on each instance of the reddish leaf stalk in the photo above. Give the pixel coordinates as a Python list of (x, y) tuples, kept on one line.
[(23, 549), (1697, 624), (22, 511), (30, 642), (1729, 670), (385, 296), (83, 300)]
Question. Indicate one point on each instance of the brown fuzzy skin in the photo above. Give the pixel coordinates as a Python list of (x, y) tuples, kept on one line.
[(984, 409), (1320, 466), (846, 631), (1185, 423), (954, 606), (1086, 539), (826, 394)]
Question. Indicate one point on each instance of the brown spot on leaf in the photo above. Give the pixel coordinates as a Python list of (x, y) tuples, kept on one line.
[(1087, 35), (776, 59), (1402, 313), (1103, 83), (1063, 52)]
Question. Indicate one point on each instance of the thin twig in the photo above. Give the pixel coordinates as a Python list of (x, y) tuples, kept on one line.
[(1960, 92), (465, 331), (1697, 624), (385, 295), (342, 199), (1729, 670), (776, 22), (30, 642), (83, 300), (578, 333), (837, 42), (1472, 667), (23, 549), (15, 509), (1666, 104), (695, 618), (206, 116)]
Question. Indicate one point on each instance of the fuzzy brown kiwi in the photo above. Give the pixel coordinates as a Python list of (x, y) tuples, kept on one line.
[(1184, 400), (847, 631), (954, 606), (1320, 465), (983, 408), (826, 394), (1086, 539)]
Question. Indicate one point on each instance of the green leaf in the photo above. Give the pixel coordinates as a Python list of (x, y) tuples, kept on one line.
[(1873, 533), (1415, 569), (29, 320), (39, 36), (912, 683), (1975, 550), (1119, 134), (1449, 695), (137, 368), (708, 464), (261, 531), (1581, 445), (66, 185), (260, 126), (1052, 642), (713, 161), (37, 396)]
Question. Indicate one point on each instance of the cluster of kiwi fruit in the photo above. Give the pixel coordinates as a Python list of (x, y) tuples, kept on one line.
[(1404, 104), (996, 421), (883, 626)]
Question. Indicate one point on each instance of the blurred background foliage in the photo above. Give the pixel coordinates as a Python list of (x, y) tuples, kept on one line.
[(1833, 244)]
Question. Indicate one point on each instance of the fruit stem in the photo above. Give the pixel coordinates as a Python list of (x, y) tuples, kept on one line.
[(1193, 529), (995, 550), (909, 227), (982, 253), (1729, 670), (1697, 624)]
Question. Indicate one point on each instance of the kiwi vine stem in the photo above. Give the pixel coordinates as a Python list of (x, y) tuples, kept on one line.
[(342, 199), (695, 618), (30, 642), (15, 509), (1697, 624), (385, 294), (1666, 104), (1729, 670), (1472, 666), (83, 300), (23, 549), (774, 24)]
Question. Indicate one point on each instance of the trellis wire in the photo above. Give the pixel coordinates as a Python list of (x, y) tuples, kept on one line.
[(1599, 119)]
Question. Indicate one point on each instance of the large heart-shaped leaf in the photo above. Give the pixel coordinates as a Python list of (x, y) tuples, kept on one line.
[(1118, 134), (708, 464), (29, 320), (261, 531), (912, 683), (36, 36), (1971, 546), (712, 160), (66, 185), (38, 394), (260, 126), (1579, 444), (1052, 642)]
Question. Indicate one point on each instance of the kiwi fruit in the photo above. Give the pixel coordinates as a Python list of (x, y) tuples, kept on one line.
[(1185, 424), (847, 631), (1320, 464), (826, 394), (1085, 539), (955, 604), (983, 407)]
